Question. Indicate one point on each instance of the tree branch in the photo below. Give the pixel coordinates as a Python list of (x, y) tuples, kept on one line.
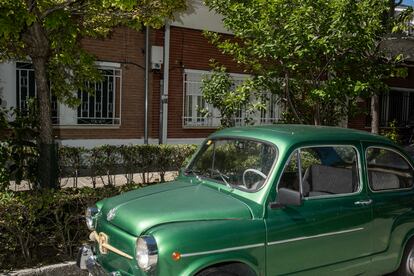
[(396, 4), (64, 5), (32, 5)]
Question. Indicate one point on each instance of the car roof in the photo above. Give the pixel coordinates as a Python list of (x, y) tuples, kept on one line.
[(297, 134)]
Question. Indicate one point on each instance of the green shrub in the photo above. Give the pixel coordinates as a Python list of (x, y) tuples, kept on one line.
[(105, 161), (45, 227), (18, 149), (392, 132)]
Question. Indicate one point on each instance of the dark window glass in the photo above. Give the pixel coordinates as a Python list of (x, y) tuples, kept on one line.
[(329, 170), (26, 89), (325, 170), (238, 163), (290, 176), (387, 170), (99, 105)]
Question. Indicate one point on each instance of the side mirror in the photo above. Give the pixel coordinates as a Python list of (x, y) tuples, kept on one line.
[(286, 197)]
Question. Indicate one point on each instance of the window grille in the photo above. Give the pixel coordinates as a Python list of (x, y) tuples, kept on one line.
[(26, 89), (194, 102), (103, 104), (397, 105)]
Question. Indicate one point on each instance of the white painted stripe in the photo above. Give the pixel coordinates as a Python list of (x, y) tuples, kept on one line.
[(316, 236), (222, 250)]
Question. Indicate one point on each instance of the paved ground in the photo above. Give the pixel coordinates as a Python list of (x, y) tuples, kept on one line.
[(86, 181), (62, 269)]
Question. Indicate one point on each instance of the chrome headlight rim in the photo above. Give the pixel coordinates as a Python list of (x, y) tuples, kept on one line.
[(146, 253), (90, 214)]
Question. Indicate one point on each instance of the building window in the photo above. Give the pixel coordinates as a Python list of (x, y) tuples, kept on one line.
[(194, 103), (26, 89), (397, 105), (102, 104)]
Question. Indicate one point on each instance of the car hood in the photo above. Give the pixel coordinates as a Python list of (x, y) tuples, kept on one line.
[(141, 209)]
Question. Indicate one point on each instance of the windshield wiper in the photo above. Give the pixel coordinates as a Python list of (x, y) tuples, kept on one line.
[(193, 172), (223, 176)]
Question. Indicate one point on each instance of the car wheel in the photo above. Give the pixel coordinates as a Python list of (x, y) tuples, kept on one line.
[(407, 263), (216, 271)]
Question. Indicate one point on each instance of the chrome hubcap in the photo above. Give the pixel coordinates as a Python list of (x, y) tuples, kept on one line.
[(410, 262)]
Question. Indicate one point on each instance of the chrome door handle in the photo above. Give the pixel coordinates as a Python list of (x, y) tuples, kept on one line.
[(363, 202)]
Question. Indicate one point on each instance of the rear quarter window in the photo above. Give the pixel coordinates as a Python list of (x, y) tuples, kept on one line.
[(388, 170)]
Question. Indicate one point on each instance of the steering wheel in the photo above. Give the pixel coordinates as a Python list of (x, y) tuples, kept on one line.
[(253, 171)]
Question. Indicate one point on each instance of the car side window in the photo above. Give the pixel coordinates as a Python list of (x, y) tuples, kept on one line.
[(325, 170), (388, 170), (290, 176), (329, 170)]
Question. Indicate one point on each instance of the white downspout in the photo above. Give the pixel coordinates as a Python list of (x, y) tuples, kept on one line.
[(147, 68), (164, 96)]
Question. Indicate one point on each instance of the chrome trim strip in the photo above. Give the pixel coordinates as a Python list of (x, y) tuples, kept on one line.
[(316, 236), (222, 250)]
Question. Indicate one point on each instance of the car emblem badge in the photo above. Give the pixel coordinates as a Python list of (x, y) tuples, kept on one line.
[(111, 214)]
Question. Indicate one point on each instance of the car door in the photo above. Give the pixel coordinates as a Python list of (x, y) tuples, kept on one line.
[(390, 178), (332, 224)]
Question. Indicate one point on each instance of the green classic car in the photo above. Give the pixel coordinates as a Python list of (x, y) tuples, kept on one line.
[(268, 200)]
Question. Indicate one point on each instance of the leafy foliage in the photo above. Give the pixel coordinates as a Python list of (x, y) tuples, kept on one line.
[(392, 132), (65, 23), (105, 161), (49, 32), (18, 150), (218, 90), (38, 227), (319, 56), (47, 227)]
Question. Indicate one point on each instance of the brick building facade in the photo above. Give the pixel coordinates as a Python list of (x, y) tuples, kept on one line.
[(116, 114)]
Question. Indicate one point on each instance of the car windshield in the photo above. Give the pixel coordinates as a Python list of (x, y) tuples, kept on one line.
[(238, 163)]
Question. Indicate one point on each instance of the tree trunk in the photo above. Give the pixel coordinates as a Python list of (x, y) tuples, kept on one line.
[(375, 114), (47, 161), (316, 115), (289, 100), (38, 48)]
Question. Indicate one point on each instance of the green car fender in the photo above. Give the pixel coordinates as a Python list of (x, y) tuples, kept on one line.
[(201, 244), (400, 250)]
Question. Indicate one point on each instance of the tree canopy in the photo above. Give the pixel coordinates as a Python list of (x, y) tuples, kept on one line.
[(318, 55), (49, 32)]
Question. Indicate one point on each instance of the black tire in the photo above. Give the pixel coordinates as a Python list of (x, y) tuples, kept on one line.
[(216, 271), (407, 262)]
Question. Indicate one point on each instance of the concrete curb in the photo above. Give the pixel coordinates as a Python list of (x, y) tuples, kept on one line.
[(67, 268)]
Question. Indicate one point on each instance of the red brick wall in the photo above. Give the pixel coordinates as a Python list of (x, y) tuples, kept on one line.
[(359, 120), (123, 46), (189, 49)]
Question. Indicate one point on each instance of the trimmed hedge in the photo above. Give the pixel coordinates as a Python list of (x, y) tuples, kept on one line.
[(102, 163), (106, 161), (46, 227)]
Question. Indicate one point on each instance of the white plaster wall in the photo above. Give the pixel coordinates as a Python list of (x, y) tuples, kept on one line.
[(67, 115), (199, 17), (8, 83)]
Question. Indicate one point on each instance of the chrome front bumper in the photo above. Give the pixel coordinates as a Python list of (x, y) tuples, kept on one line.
[(86, 260)]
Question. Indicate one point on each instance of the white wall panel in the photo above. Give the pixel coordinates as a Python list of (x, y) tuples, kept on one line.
[(199, 17), (8, 83)]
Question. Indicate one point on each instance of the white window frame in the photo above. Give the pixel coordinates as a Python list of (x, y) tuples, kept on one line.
[(22, 104), (84, 107), (195, 120)]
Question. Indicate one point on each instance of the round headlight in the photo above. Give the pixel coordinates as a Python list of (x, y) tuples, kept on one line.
[(146, 253), (89, 216)]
